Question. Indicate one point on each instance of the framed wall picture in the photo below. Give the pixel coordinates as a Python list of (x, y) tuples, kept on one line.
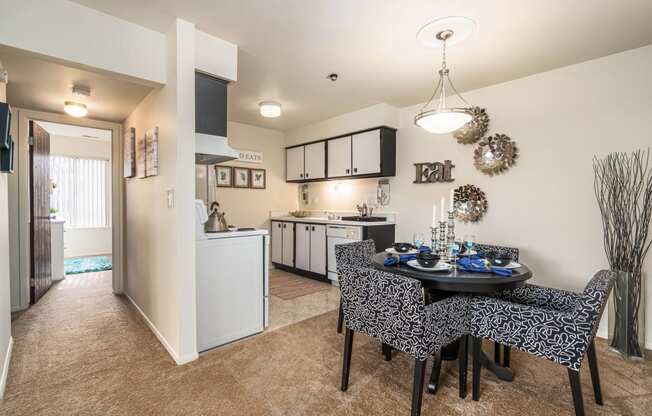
[(241, 177), (141, 157), (257, 178), (130, 152), (151, 142), (224, 176)]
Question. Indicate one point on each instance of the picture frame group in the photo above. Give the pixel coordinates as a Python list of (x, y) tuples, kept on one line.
[(237, 177)]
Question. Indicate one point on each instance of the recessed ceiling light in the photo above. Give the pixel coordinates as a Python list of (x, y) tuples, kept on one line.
[(75, 109), (270, 109)]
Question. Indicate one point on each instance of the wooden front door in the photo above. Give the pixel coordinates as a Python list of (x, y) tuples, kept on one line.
[(39, 187)]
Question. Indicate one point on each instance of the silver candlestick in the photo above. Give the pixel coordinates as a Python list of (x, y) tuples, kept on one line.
[(434, 247), (451, 230), (443, 251)]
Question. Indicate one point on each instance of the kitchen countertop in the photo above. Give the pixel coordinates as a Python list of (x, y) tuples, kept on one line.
[(231, 234), (321, 220)]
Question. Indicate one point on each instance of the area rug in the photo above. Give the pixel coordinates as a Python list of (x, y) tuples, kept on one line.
[(287, 286), (87, 264)]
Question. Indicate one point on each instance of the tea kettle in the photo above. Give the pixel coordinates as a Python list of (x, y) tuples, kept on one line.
[(216, 221)]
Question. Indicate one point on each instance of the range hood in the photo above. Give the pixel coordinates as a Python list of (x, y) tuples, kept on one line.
[(211, 143), (210, 149)]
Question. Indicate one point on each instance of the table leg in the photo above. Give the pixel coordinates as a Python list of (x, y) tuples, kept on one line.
[(503, 373)]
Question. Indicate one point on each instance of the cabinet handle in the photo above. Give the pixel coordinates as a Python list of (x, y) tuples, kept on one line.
[(348, 170), (301, 175), (284, 225), (306, 175), (355, 170), (307, 228), (313, 228)]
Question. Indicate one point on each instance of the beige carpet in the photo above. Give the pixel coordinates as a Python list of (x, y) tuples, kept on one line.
[(83, 351), (289, 286)]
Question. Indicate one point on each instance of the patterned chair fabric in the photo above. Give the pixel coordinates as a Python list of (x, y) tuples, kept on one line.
[(499, 251), (391, 309), (356, 254), (553, 324)]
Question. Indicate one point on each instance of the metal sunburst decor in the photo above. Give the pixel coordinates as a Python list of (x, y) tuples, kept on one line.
[(473, 131), (470, 203), (495, 154)]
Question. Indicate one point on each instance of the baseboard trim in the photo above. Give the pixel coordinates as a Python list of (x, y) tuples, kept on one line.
[(605, 335), (5, 368), (180, 360)]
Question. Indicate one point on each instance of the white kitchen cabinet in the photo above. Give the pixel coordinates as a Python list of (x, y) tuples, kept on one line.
[(288, 244), (57, 249), (277, 242), (294, 163), (365, 155), (302, 250), (339, 157), (317, 248), (315, 160)]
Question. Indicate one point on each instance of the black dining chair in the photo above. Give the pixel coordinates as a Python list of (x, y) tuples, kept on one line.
[(358, 254), (554, 324), (391, 308)]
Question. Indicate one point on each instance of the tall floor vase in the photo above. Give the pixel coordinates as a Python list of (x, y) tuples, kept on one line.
[(627, 316)]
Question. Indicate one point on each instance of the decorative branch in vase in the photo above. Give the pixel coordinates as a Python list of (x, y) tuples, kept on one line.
[(623, 188)]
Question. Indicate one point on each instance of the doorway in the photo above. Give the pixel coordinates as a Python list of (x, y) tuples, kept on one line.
[(70, 176)]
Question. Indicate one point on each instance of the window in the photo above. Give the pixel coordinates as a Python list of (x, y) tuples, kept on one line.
[(81, 191)]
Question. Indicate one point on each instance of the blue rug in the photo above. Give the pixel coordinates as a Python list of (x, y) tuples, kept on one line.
[(87, 264)]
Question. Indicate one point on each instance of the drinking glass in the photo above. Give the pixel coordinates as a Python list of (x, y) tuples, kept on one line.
[(469, 242), (454, 250), (418, 240)]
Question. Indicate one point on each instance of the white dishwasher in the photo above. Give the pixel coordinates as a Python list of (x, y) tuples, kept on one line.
[(339, 234)]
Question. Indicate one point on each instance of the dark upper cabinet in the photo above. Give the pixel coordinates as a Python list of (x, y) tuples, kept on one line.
[(210, 105)]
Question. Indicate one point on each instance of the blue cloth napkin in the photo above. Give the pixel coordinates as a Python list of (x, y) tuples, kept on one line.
[(479, 266), (425, 249), (403, 258)]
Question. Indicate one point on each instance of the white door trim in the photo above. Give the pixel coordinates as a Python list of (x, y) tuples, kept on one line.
[(117, 200)]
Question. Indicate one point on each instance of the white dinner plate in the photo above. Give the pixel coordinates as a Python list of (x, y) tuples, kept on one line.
[(392, 251), (466, 253), (439, 267), (512, 265)]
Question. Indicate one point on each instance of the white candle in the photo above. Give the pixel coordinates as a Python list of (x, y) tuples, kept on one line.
[(452, 200), (434, 215), (443, 208)]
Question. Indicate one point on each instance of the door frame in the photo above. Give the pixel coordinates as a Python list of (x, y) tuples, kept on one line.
[(117, 191)]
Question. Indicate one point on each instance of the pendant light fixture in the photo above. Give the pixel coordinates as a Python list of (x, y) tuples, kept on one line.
[(442, 118), (75, 108)]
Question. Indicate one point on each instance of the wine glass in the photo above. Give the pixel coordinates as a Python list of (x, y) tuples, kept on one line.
[(454, 250), (418, 240), (469, 242)]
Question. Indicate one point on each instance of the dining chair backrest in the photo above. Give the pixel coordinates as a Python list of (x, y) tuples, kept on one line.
[(593, 300), (357, 254), (499, 251), (385, 306)]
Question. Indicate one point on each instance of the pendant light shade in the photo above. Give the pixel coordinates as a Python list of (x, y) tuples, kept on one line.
[(75, 109), (443, 119), (270, 109)]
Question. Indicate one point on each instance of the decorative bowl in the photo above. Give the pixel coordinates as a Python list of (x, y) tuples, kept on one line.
[(402, 247), (300, 214), (499, 261), (427, 259)]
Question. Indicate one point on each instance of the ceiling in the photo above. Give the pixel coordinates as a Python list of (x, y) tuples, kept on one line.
[(77, 132), (287, 47), (40, 85)]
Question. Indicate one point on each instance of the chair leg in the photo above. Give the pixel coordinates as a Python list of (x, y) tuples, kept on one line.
[(463, 362), (417, 388), (595, 375), (477, 365), (433, 383), (506, 353), (346, 359), (387, 352), (340, 319), (576, 388), (497, 352)]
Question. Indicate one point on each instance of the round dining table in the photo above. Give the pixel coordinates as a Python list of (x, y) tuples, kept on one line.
[(442, 284)]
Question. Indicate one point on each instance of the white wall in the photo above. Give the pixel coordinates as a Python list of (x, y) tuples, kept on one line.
[(376, 115), (5, 299), (160, 239), (251, 207), (544, 205), (84, 37), (80, 242)]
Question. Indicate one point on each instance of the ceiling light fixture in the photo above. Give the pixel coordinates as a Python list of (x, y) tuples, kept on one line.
[(75, 109), (443, 119), (270, 109)]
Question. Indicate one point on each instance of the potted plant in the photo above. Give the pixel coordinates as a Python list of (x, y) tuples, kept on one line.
[(623, 188)]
